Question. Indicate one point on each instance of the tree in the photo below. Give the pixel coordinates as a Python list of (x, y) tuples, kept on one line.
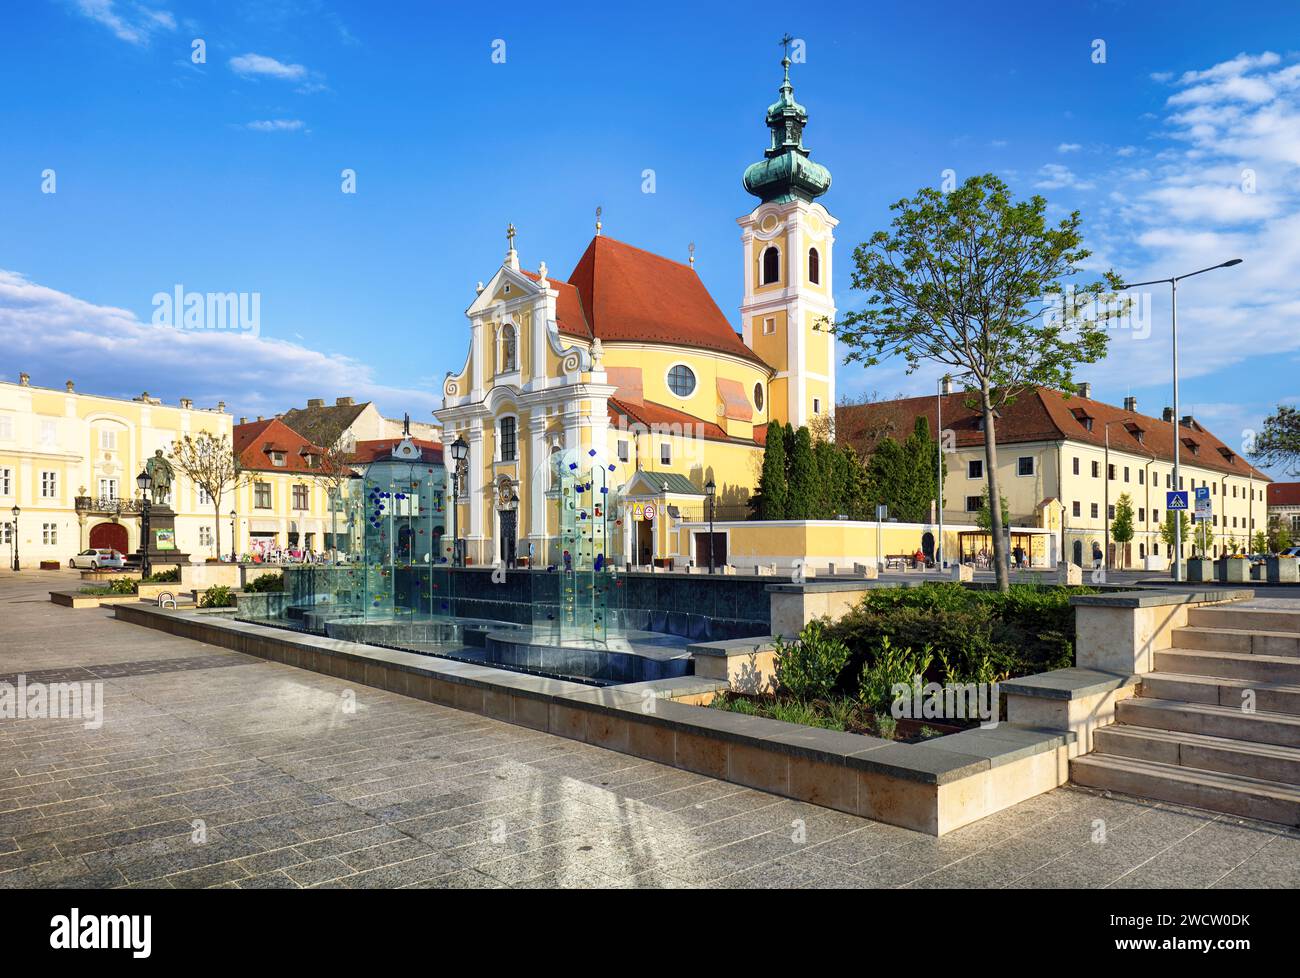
[(1167, 529), (772, 489), (802, 485), (1121, 527), (830, 480), (1281, 537), (955, 281), (921, 455), (1259, 542), (209, 462), (1279, 442), (984, 518)]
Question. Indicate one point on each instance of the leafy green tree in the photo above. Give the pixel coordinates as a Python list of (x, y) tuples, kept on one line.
[(802, 498), (857, 487), (1259, 542), (772, 489), (830, 480), (984, 518), (1121, 527), (1167, 529), (1279, 442), (960, 279), (1279, 535)]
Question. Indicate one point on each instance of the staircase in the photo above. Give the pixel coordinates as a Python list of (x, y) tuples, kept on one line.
[(1185, 737)]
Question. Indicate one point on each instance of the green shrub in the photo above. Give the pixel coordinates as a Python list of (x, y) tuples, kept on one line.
[(172, 576), (887, 667), (267, 582), (810, 666), (219, 596)]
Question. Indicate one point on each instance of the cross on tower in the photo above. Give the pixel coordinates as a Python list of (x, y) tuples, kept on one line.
[(510, 234), (785, 42)]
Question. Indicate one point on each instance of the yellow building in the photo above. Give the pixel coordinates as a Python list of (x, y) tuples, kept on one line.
[(281, 502), (1065, 461), (69, 462), (629, 365)]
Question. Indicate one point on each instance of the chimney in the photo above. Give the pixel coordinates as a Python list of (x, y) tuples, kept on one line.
[(68, 385), (947, 385), (315, 402), (25, 380), (1188, 421), (343, 402), (259, 417), (243, 420), (1167, 415), (221, 406), (1131, 404), (1085, 390), (186, 403)]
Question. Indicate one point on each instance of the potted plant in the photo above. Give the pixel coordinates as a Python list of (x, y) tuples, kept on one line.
[(1234, 569), (1282, 569), (1200, 569)]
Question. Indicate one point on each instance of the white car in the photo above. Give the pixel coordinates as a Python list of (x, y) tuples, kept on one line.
[(96, 559)]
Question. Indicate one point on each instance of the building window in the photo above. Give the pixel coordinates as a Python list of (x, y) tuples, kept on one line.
[(108, 439), (6, 427), (681, 380), (769, 326), (1076, 508), (1076, 465), (1025, 465), (49, 485), (6, 482), (277, 459), (509, 348), (817, 405), (49, 433), (50, 534), (975, 468), (771, 265), (814, 267), (509, 439), (1126, 473), (300, 497), (205, 536), (1096, 469), (204, 498), (1155, 550), (1142, 477), (1110, 473), (973, 503), (107, 488), (1094, 509), (665, 453), (262, 495), (1142, 514), (1110, 512), (623, 450), (758, 395)]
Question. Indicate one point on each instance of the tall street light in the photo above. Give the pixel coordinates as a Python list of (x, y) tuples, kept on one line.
[(234, 549), (710, 491), (144, 482), (1177, 481), (459, 450), (17, 512)]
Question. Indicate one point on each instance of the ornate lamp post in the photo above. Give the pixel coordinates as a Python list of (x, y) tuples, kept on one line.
[(710, 491), (459, 450), (234, 550), (144, 482), (17, 512)]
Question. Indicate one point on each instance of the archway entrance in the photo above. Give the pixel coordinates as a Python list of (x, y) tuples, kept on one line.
[(109, 536), (927, 545), (1078, 552)]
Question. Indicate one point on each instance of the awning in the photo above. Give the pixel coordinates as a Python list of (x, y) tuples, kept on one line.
[(735, 402)]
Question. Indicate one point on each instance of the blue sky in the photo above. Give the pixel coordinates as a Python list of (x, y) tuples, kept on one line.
[(225, 175)]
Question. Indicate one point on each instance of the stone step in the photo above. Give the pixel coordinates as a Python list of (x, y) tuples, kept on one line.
[(1232, 794), (1210, 720), (1251, 619), (1230, 665), (1237, 640), (1267, 762), (1268, 697)]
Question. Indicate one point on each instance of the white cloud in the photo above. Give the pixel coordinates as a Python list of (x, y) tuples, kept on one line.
[(130, 22), (1068, 148), (259, 65), (1054, 176), (276, 125), (55, 336)]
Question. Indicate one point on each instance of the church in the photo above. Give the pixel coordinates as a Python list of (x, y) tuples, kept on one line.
[(629, 365)]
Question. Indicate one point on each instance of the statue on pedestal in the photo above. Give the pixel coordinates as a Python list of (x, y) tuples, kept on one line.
[(161, 475)]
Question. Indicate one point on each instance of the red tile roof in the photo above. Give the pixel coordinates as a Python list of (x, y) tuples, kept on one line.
[(632, 295), (1043, 415), (378, 448), (1284, 494), (648, 413), (255, 440), (569, 314)]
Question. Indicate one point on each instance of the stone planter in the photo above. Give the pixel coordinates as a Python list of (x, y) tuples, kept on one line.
[(1200, 570), (1233, 570), (1282, 570)]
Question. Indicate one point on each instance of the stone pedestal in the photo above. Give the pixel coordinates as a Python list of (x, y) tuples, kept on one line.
[(1282, 570), (1068, 573), (162, 538), (1199, 570), (963, 572)]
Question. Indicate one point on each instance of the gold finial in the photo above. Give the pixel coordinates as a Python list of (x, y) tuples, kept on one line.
[(598, 212), (692, 254)]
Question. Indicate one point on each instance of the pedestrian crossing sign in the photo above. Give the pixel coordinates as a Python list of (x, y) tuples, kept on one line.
[(1176, 501)]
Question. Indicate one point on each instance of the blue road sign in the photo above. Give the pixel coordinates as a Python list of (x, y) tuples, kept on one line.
[(1176, 501), (1204, 505)]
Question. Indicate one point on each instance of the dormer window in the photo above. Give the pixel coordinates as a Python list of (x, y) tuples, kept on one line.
[(1192, 445), (277, 458), (1083, 417), (1227, 454), (1138, 434)]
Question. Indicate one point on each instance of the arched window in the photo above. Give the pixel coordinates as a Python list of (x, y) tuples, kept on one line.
[(509, 348), (814, 267), (771, 265)]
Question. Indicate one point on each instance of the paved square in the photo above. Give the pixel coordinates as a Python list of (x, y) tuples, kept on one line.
[(217, 769)]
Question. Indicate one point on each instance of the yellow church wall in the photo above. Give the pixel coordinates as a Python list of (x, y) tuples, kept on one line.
[(772, 347), (655, 360)]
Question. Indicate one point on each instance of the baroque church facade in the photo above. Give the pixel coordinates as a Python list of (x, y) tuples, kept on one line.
[(629, 365)]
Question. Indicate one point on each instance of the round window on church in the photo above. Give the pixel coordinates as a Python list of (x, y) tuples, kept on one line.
[(681, 380), (758, 396)]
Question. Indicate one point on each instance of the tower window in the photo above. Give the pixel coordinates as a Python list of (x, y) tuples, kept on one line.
[(814, 267), (681, 380), (769, 326), (771, 265)]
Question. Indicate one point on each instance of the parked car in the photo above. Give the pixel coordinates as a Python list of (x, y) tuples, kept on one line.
[(96, 559), (1290, 552)]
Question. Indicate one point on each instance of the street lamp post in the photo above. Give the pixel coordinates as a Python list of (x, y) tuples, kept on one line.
[(710, 491), (234, 548), (1177, 528), (144, 482), (938, 421), (459, 449), (17, 512)]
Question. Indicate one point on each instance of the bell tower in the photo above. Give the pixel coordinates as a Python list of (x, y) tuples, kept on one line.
[(788, 242)]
